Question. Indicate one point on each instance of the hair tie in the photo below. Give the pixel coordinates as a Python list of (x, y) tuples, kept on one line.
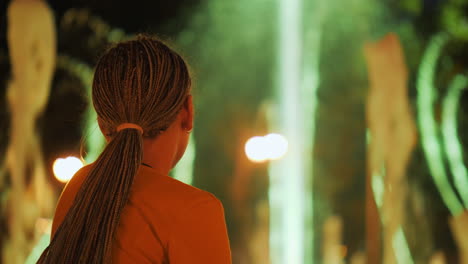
[(129, 126)]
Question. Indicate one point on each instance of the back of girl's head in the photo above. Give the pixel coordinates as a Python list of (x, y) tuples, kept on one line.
[(140, 81)]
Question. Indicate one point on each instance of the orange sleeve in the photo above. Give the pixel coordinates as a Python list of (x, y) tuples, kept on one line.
[(61, 210), (200, 235), (67, 197)]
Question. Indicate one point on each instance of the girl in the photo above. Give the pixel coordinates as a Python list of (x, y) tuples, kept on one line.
[(124, 208)]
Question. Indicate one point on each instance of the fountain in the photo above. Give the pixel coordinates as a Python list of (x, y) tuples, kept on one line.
[(31, 40)]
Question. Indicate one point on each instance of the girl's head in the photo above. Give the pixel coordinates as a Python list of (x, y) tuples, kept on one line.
[(142, 82)]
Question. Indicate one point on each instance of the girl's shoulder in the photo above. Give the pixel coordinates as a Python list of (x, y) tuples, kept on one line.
[(164, 191)]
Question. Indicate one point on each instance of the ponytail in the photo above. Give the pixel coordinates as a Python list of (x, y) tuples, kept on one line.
[(87, 233)]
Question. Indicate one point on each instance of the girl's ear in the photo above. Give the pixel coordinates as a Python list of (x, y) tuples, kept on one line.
[(104, 131), (187, 121)]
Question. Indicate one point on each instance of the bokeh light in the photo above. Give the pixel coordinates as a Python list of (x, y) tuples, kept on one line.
[(256, 149), (277, 146), (269, 147), (65, 168)]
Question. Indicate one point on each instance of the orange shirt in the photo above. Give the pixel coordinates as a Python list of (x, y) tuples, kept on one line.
[(165, 221)]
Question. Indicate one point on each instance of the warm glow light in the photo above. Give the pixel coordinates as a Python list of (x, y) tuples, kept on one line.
[(64, 169), (277, 146), (256, 149), (269, 147)]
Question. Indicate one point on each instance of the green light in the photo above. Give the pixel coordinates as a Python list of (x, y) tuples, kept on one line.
[(38, 249), (313, 16), (428, 126), (453, 147), (454, 19), (184, 169), (291, 202), (378, 188), (287, 193), (399, 244)]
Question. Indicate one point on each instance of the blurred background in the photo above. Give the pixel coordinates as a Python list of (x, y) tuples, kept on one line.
[(333, 131)]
